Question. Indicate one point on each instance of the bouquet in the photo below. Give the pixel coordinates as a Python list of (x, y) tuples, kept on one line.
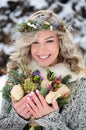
[(23, 82)]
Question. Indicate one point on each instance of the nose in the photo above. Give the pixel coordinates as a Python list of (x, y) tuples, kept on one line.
[(41, 48)]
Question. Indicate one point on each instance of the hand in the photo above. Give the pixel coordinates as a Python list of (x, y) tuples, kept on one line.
[(38, 106), (21, 107)]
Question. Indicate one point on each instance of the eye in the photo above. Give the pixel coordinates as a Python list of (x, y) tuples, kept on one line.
[(35, 42), (48, 41)]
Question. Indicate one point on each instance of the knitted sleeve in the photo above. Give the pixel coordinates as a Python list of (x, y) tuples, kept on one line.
[(53, 121), (12, 120), (73, 117)]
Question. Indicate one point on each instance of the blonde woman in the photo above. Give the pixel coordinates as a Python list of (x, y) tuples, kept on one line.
[(46, 43)]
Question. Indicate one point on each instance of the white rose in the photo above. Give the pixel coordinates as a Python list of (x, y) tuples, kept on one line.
[(17, 92)]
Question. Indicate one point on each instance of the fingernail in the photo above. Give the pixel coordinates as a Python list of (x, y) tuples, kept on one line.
[(37, 91), (28, 98), (32, 93), (54, 100), (27, 105)]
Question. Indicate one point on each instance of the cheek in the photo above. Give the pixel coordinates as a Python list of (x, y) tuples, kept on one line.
[(33, 49), (57, 47), (54, 49)]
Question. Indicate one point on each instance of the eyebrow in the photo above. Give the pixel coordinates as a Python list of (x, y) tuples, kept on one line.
[(49, 37)]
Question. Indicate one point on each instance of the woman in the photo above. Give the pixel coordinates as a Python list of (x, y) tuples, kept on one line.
[(46, 43)]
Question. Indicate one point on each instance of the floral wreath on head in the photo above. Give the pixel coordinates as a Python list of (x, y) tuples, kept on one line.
[(35, 25)]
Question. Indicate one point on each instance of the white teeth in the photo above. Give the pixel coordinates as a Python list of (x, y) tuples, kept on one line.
[(43, 57)]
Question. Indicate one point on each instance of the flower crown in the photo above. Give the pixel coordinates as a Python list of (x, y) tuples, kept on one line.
[(34, 25)]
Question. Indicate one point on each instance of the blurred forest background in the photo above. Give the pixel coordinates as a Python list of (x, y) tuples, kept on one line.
[(16, 11)]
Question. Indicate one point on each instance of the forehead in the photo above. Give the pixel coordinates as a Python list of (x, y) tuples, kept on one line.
[(46, 33)]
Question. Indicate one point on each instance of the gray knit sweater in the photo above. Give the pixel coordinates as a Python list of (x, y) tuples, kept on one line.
[(72, 116)]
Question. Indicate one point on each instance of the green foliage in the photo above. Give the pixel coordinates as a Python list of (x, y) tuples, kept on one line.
[(29, 86), (24, 27), (38, 128), (15, 77), (45, 26), (27, 127), (6, 95), (36, 79), (9, 108), (44, 91), (6, 92), (66, 79), (62, 101), (50, 75)]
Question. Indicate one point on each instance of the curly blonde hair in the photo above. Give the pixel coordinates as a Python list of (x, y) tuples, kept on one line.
[(67, 54)]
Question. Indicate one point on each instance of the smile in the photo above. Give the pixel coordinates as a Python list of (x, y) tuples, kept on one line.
[(43, 57)]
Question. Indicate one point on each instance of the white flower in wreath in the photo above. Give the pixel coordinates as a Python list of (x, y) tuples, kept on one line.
[(31, 25)]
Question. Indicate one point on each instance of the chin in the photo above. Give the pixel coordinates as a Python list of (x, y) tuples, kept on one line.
[(43, 65)]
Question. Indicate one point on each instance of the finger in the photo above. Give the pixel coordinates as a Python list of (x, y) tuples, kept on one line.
[(23, 99), (24, 105), (42, 99), (20, 102), (25, 111), (36, 100), (31, 110), (33, 106), (27, 115), (54, 104), (20, 108)]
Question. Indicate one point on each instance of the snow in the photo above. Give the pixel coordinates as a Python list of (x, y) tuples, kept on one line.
[(80, 4), (3, 17), (67, 10), (7, 28), (3, 3), (7, 48), (38, 4), (81, 42)]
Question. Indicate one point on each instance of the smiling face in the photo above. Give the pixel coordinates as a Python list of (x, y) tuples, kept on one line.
[(45, 48)]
